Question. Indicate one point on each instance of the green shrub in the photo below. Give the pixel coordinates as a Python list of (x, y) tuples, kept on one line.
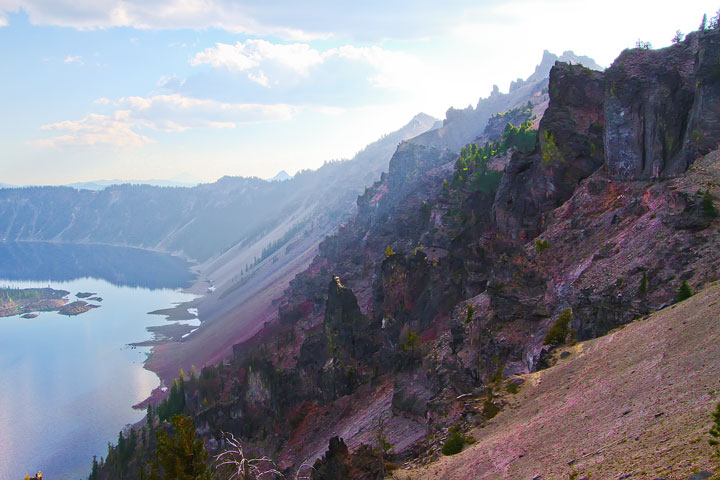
[(470, 314), (541, 245), (558, 332), (454, 444), (708, 205), (390, 466), (684, 292), (513, 388), (490, 409), (715, 431)]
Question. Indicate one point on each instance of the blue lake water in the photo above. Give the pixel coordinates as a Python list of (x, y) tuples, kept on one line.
[(67, 384)]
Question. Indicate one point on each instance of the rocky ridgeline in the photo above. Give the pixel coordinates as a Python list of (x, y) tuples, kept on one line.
[(415, 312)]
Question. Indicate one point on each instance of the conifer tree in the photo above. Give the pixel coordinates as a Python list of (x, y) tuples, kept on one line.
[(684, 293), (181, 456), (643, 284)]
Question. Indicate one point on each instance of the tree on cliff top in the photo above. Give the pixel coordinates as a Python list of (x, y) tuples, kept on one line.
[(715, 21)]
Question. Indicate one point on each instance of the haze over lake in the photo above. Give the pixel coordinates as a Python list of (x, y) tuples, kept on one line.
[(68, 383)]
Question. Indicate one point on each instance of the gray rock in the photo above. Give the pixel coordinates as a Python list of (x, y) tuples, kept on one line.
[(700, 475)]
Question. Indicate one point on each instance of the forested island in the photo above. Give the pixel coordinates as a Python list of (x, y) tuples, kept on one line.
[(28, 301)]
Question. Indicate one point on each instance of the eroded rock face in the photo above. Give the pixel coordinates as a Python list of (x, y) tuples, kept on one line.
[(703, 129), (347, 330), (649, 94), (570, 149), (661, 108)]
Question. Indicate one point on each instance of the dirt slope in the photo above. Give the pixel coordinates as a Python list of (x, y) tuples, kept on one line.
[(235, 318), (634, 402)]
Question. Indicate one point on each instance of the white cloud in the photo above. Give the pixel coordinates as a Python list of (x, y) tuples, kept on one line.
[(168, 113), (287, 19), (102, 101), (94, 131), (227, 15), (260, 78), (74, 59), (175, 112), (170, 82), (392, 69), (298, 57)]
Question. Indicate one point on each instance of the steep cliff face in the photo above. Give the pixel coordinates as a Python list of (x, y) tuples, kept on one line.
[(661, 108), (451, 277), (649, 94), (464, 295), (703, 126), (348, 332), (570, 149)]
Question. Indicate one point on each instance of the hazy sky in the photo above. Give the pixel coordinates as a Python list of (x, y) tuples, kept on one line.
[(93, 89)]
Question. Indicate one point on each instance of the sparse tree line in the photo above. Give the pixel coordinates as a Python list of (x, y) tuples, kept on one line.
[(679, 36)]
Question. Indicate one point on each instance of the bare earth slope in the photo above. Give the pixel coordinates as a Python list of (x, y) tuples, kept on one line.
[(636, 401), (233, 317)]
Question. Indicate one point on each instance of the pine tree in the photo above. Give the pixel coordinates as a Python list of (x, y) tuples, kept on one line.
[(643, 285), (94, 473), (715, 21), (181, 456), (708, 204), (684, 292), (703, 24)]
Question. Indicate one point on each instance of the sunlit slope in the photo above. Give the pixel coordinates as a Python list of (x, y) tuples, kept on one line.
[(636, 401)]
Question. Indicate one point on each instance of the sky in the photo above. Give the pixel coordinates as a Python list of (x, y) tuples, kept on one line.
[(156, 89)]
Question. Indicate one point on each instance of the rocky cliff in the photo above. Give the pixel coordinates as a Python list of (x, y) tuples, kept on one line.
[(660, 108), (418, 312), (570, 149)]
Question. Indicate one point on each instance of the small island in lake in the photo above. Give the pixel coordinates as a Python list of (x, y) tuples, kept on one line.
[(28, 301)]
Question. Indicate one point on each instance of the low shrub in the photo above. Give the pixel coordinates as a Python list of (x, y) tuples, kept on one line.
[(541, 245), (560, 329), (453, 444)]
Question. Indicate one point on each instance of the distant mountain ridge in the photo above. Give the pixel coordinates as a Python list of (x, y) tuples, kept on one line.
[(197, 222), (184, 180), (282, 175)]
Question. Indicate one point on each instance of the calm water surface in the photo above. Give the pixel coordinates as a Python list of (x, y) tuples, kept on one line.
[(67, 384)]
